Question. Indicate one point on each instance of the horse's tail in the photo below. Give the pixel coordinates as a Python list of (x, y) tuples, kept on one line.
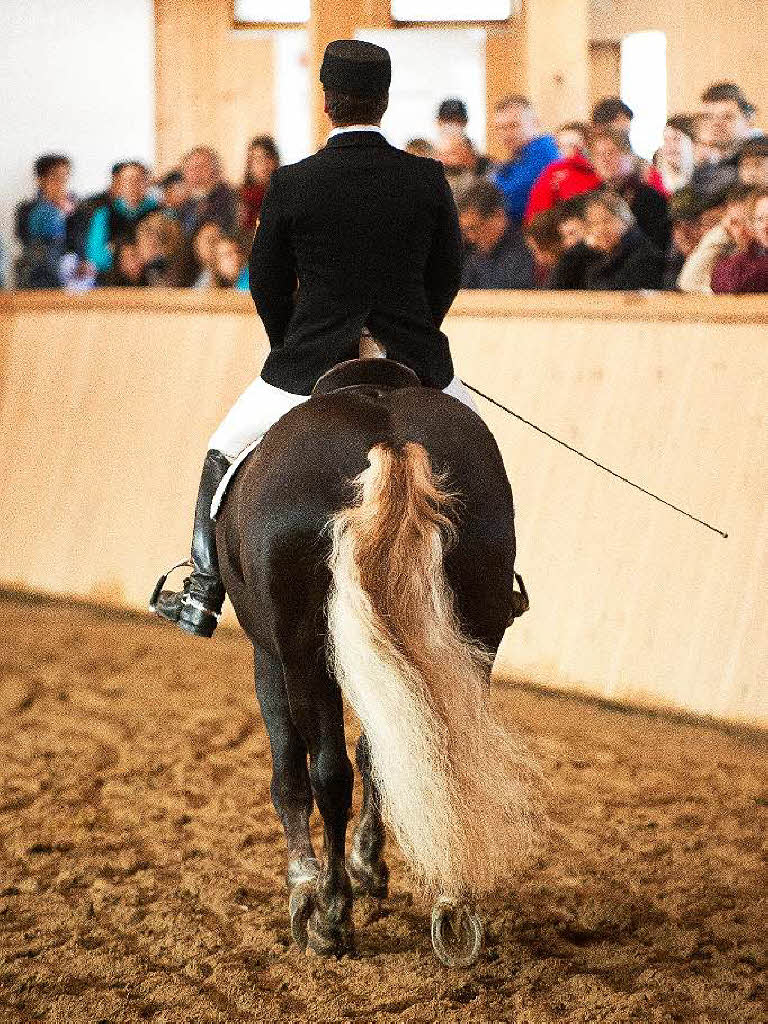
[(458, 792)]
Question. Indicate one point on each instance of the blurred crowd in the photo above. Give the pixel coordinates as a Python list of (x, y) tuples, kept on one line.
[(571, 209)]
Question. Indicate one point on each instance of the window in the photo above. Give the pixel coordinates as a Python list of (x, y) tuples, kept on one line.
[(281, 12), (453, 10), (644, 88)]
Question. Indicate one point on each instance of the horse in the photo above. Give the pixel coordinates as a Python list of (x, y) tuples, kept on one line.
[(368, 548)]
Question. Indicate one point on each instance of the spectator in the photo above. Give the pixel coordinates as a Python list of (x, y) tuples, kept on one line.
[(452, 120), (210, 198), (730, 116), (420, 147), (263, 158), (612, 113), (41, 225), (685, 210), (705, 149), (746, 269), (729, 230), (572, 138), (629, 260), (565, 178), (80, 221), (617, 166), (231, 264), (117, 219), (726, 123), (675, 158), (752, 162), (173, 189), (126, 271), (499, 257), (460, 163), (163, 252), (570, 272), (527, 153), (204, 242), (543, 239)]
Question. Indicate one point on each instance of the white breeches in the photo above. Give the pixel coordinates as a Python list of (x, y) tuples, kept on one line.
[(261, 405)]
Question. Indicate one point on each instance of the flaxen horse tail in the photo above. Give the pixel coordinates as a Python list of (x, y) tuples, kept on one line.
[(459, 793)]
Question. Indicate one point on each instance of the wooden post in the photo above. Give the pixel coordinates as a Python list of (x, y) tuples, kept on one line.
[(543, 54), (327, 21)]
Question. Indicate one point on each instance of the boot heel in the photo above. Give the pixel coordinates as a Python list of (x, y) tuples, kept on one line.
[(196, 620)]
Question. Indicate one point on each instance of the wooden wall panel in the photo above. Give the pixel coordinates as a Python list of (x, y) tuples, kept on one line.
[(707, 41), (214, 85), (107, 401)]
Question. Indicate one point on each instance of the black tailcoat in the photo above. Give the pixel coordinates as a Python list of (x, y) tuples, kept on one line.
[(371, 236)]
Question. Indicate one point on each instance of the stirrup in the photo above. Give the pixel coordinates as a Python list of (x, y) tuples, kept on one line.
[(161, 582)]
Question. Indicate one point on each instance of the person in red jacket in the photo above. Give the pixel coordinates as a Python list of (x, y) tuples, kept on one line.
[(746, 270), (564, 179)]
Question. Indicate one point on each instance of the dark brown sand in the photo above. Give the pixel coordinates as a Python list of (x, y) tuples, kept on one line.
[(141, 863)]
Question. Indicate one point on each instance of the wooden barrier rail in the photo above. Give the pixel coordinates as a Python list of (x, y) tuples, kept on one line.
[(107, 400)]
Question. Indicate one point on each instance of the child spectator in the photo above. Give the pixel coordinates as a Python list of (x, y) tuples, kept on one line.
[(118, 218), (746, 269), (527, 151), (231, 264), (629, 260), (498, 257), (262, 159), (618, 167), (204, 242), (126, 271), (163, 252)]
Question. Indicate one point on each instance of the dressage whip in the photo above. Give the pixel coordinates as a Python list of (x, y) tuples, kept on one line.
[(594, 462)]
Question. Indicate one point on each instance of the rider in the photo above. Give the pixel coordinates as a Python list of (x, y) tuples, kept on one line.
[(359, 236)]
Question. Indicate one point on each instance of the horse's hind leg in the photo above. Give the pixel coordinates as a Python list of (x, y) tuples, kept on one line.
[(290, 789), (366, 866), (317, 710)]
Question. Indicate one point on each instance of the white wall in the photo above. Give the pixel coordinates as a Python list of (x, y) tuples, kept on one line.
[(427, 66), (76, 76)]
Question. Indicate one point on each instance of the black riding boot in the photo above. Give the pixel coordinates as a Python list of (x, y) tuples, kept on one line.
[(197, 606)]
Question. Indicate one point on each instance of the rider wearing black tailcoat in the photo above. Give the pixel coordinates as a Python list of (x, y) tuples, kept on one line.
[(360, 234)]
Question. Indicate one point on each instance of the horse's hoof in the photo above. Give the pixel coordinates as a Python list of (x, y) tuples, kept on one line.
[(368, 879), (326, 940), (457, 934), (300, 907)]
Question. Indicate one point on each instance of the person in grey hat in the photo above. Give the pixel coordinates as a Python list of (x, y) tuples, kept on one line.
[(358, 236)]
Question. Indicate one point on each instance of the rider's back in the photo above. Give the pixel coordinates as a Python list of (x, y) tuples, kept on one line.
[(370, 233)]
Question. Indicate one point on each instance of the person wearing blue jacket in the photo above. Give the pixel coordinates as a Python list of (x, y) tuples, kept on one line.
[(116, 220), (528, 153)]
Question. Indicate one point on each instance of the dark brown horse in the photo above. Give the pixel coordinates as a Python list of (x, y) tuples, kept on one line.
[(368, 548)]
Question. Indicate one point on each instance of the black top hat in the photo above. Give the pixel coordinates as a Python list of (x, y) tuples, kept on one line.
[(355, 67)]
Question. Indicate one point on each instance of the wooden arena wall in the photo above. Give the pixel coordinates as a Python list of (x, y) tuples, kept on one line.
[(107, 401)]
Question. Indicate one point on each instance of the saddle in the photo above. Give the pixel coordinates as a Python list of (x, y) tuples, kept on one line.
[(373, 375)]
